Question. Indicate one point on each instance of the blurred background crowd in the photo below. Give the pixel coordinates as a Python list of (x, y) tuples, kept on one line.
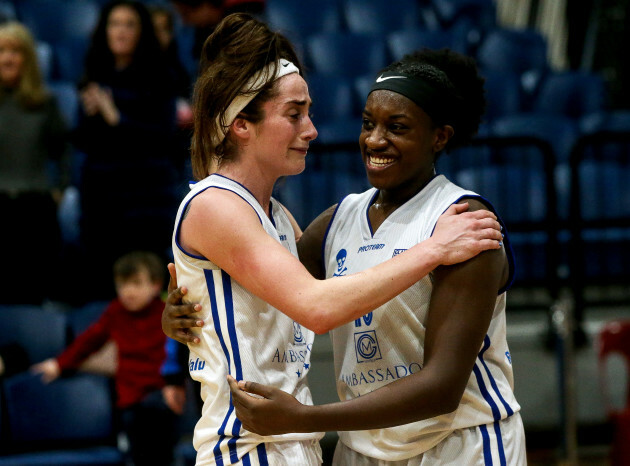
[(95, 126)]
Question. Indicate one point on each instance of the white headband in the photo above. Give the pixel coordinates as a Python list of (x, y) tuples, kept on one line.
[(249, 91)]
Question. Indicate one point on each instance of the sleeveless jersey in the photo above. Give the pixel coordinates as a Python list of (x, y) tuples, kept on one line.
[(388, 343), (242, 336)]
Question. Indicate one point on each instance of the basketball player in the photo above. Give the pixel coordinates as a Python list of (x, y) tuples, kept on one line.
[(427, 377), (234, 246)]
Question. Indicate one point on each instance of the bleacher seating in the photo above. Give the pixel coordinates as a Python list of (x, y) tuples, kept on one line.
[(64, 423), (378, 17)]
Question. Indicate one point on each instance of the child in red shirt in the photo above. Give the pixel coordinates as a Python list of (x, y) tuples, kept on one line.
[(133, 322)]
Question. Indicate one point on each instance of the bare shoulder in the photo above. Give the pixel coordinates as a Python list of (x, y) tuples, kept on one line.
[(474, 204)]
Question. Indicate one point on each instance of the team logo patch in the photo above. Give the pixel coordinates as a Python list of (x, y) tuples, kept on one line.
[(298, 336), (366, 346), (398, 251), (341, 263)]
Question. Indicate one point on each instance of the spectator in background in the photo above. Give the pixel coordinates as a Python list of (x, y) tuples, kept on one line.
[(133, 322), (33, 169), (126, 129)]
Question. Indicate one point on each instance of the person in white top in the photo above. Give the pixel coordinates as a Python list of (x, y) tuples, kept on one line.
[(427, 377), (234, 246)]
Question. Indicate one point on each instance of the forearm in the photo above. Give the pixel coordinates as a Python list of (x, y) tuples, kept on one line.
[(404, 401), (328, 304)]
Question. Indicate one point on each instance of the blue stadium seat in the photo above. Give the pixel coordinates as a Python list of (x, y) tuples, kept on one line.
[(516, 175), (401, 43), (518, 51), (299, 20), (69, 59), (67, 99), (54, 20), (606, 120), (332, 97), (45, 59), (561, 132), (42, 332), (346, 54), (574, 94), (599, 218), (503, 94), (378, 17), (67, 422), (481, 12)]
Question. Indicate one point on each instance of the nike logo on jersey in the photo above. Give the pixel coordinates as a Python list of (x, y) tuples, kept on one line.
[(380, 79)]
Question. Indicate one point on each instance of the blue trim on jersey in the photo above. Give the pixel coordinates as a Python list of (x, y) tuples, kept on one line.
[(218, 456), (496, 414), (323, 251), (487, 452), (367, 212), (245, 459), (497, 432), (179, 223), (262, 454), (493, 382), (235, 352)]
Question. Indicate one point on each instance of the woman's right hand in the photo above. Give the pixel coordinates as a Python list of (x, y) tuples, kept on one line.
[(460, 235), (176, 317)]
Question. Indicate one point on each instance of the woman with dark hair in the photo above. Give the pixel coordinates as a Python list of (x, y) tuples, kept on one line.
[(427, 377), (127, 132), (235, 246)]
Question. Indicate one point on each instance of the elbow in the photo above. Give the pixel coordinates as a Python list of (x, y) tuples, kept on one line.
[(446, 395), (320, 326), (320, 322), (449, 404)]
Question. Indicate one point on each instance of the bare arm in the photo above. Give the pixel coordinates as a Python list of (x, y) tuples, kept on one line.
[(460, 311), (223, 228)]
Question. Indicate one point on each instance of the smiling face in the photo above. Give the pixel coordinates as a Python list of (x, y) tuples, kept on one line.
[(11, 62), (399, 143), (282, 138), (123, 32)]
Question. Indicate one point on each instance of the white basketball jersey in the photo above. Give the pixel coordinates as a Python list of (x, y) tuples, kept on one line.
[(388, 343), (242, 336)]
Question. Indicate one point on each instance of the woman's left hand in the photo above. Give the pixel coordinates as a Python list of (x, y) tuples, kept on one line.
[(272, 412)]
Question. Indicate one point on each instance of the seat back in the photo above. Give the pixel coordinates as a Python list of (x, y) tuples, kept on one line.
[(333, 97), (67, 100), (515, 174), (52, 20), (378, 17), (403, 42), (299, 20), (74, 411), (520, 51), (41, 332), (574, 94), (346, 54)]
